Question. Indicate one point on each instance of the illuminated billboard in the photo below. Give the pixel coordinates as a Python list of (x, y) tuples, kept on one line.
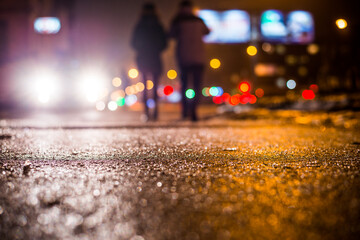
[(47, 25), (232, 26), (300, 27), (273, 25), (297, 27)]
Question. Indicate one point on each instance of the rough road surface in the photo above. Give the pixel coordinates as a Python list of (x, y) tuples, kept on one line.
[(234, 180)]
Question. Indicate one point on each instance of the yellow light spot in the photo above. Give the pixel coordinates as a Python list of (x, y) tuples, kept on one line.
[(149, 84), (244, 87), (134, 89), (251, 50), (116, 82), (215, 63), (313, 49), (303, 71), (129, 90), (139, 87), (171, 74), (133, 73), (341, 23), (291, 59)]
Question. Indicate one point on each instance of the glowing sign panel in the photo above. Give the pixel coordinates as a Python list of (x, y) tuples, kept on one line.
[(232, 26), (273, 25), (298, 27), (47, 25)]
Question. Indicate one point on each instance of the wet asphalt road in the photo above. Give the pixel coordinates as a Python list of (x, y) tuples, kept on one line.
[(225, 180)]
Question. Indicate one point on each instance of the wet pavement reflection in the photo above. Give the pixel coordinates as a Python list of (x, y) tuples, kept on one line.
[(232, 181)]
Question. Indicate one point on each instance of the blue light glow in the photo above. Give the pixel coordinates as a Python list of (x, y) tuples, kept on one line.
[(175, 97), (300, 26), (130, 100), (150, 103), (291, 84), (273, 25), (47, 25), (232, 26)]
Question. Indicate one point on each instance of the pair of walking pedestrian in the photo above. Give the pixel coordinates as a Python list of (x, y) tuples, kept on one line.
[(149, 39)]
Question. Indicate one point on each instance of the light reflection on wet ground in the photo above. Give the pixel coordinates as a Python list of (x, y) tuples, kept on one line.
[(253, 182)]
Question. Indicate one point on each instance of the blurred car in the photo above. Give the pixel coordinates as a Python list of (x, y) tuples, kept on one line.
[(36, 84)]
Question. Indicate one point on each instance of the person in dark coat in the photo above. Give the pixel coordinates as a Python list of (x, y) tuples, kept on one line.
[(188, 30), (149, 40)]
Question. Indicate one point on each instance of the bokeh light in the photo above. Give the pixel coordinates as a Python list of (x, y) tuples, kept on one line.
[(314, 87), (139, 87), (259, 92), (47, 25), (280, 82), (252, 99), (244, 99), (129, 90), (226, 97), (149, 84), (220, 91), (251, 50), (217, 100), (206, 91), (160, 91), (92, 84), (168, 90), (244, 87), (303, 71), (171, 74), (150, 103), (130, 100), (112, 106), (280, 49), (100, 106), (267, 47), (120, 101), (308, 94), (313, 49), (215, 63), (291, 59), (116, 82), (133, 73), (117, 94), (45, 86), (214, 91), (190, 93), (175, 97), (291, 84), (341, 23), (235, 99)]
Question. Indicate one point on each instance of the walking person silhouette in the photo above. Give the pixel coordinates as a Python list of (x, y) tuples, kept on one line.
[(149, 40), (188, 30)]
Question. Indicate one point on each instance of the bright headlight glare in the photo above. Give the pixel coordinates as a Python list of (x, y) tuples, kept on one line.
[(92, 86), (44, 86)]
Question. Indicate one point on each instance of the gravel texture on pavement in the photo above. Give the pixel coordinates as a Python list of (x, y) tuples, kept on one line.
[(229, 181)]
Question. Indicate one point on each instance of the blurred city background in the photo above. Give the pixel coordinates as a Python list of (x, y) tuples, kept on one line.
[(64, 54), (275, 155)]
